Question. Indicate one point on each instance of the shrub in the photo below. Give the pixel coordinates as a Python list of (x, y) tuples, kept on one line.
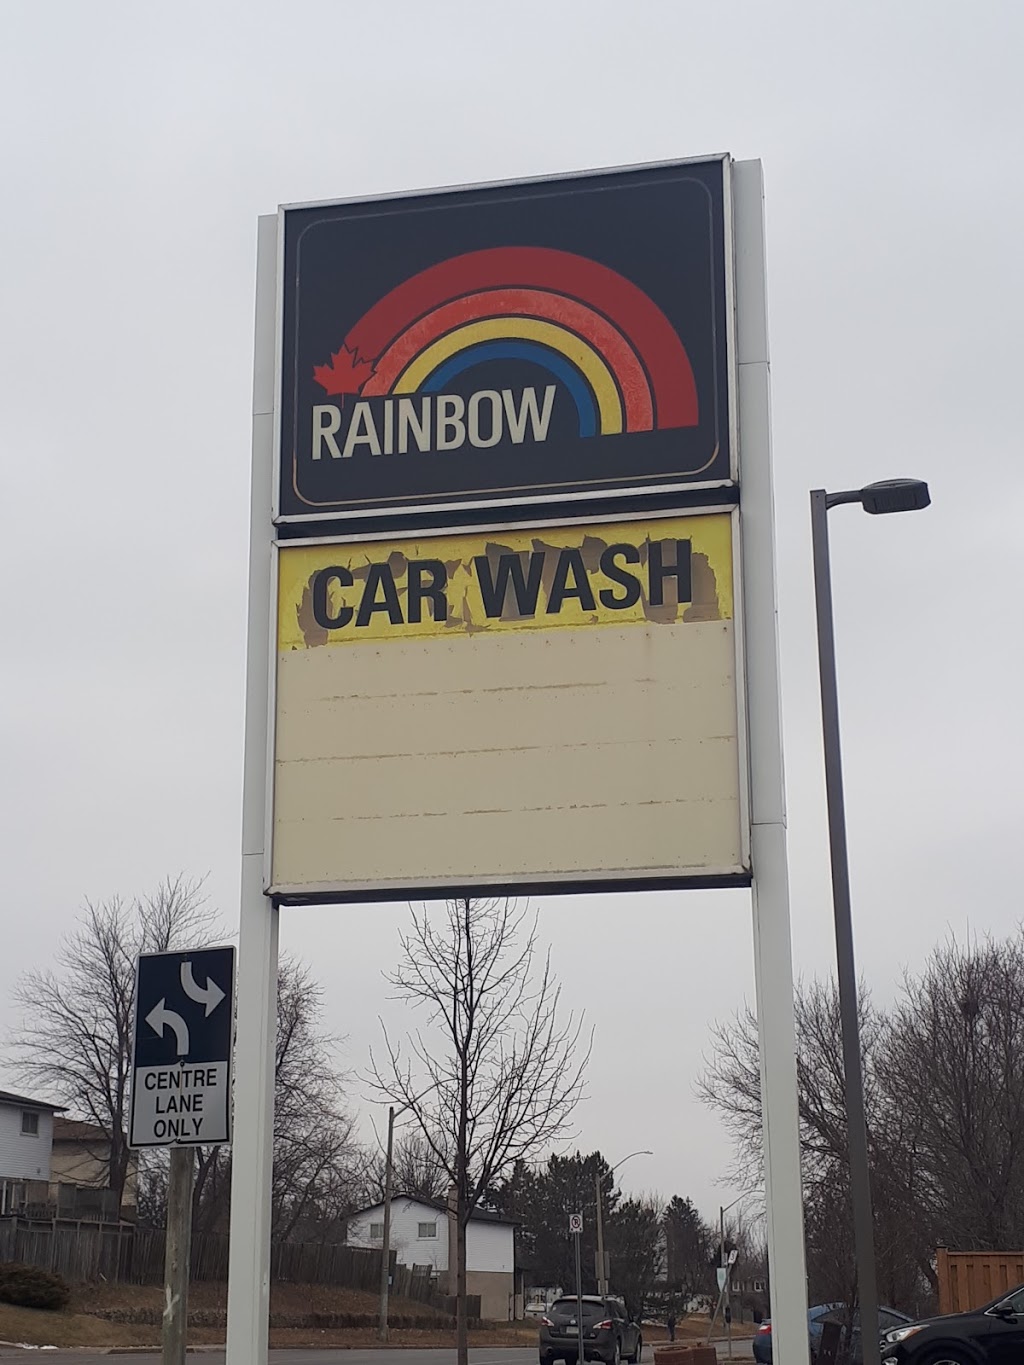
[(29, 1286)]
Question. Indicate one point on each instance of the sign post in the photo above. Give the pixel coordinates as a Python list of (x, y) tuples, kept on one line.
[(181, 1094), (252, 1151), (773, 952), (576, 1229), (177, 1255), (733, 1256)]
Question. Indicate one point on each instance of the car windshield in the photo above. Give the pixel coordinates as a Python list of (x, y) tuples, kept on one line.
[(564, 1310)]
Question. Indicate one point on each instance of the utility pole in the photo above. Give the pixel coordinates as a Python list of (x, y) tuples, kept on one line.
[(602, 1279), (177, 1255), (385, 1251), (726, 1288)]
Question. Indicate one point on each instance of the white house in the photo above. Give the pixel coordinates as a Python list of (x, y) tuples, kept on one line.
[(421, 1235), (26, 1141)]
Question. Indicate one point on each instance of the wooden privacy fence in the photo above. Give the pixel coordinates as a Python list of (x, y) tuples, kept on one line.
[(969, 1279), (84, 1254), (81, 1254)]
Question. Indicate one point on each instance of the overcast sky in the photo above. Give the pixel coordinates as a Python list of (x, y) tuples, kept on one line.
[(139, 144)]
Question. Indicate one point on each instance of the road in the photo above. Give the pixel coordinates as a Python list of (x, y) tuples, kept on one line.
[(494, 1355)]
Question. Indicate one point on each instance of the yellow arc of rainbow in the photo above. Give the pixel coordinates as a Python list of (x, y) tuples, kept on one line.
[(560, 339)]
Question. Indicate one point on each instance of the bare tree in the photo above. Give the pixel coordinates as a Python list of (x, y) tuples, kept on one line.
[(953, 1058), (732, 1084), (502, 1071), (318, 1170), (316, 1162), (416, 1170), (74, 1042), (944, 1093)]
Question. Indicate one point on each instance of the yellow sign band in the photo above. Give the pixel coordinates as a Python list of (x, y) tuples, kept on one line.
[(655, 572)]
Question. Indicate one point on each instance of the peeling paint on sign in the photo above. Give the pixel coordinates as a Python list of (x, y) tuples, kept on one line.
[(529, 707), (624, 573)]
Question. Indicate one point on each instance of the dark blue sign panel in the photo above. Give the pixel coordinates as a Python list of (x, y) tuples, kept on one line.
[(521, 342), (184, 1022)]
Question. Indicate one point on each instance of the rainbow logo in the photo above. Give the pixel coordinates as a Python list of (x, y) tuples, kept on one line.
[(591, 329)]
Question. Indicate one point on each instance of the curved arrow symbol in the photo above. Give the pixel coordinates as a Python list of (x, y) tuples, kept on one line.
[(159, 1018), (209, 995)]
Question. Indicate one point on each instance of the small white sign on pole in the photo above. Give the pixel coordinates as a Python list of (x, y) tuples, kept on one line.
[(723, 1274), (575, 1224)]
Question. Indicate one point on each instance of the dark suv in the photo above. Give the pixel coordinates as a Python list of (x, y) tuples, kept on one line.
[(608, 1332), (993, 1335)]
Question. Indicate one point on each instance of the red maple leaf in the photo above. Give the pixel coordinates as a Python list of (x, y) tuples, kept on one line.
[(345, 374)]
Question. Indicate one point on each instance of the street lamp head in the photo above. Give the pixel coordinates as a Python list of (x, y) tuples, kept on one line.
[(643, 1152), (895, 495)]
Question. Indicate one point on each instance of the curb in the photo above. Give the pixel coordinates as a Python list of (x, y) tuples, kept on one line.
[(150, 1350), (208, 1349)]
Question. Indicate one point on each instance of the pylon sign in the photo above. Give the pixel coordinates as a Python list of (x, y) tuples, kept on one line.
[(181, 1057)]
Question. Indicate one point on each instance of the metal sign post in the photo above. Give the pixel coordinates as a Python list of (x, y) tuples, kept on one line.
[(722, 1273), (773, 952), (576, 1228), (252, 1151), (181, 1093)]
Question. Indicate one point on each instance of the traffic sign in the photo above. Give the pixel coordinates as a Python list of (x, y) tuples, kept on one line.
[(723, 1274), (181, 1059), (575, 1224)]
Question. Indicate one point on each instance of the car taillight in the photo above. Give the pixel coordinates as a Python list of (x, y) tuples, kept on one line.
[(604, 1326), (765, 1329), (546, 1322)]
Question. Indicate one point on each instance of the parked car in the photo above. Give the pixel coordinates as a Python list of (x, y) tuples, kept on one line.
[(609, 1334), (993, 1335), (816, 1320)]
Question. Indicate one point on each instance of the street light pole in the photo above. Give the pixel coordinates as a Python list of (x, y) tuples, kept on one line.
[(725, 1292), (602, 1278), (898, 495)]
